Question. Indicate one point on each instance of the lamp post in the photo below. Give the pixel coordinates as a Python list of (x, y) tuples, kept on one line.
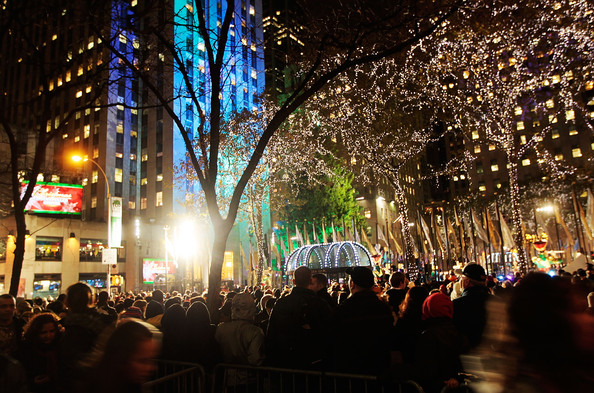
[(77, 158)]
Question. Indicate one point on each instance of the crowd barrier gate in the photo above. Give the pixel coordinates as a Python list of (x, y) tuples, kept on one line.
[(231, 378)]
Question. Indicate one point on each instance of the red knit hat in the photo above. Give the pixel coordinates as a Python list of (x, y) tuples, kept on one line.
[(438, 305)]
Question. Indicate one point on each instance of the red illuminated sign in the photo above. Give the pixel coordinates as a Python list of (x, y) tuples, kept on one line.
[(54, 198), (157, 270)]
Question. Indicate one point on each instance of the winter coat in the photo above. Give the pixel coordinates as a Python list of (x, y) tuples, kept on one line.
[(470, 313), (298, 330), (361, 326), (241, 342)]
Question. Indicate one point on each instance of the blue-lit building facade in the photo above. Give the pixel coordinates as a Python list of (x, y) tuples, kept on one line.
[(138, 147)]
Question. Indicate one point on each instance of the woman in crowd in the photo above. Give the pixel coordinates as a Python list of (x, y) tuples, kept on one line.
[(409, 325), (39, 353), (124, 360)]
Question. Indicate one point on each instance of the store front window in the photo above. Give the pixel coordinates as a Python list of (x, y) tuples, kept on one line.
[(46, 285), (91, 249), (94, 280), (48, 248)]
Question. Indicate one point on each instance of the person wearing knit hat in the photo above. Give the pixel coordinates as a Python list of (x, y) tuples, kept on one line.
[(438, 305), (133, 312), (240, 340), (470, 310), (437, 355)]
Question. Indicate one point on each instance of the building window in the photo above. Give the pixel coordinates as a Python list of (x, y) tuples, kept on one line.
[(159, 199), (143, 203), (48, 248), (492, 147), (475, 134), (576, 152), (90, 250), (131, 205), (555, 133), (523, 139), (482, 187), (526, 162), (477, 148), (94, 177), (520, 125), (573, 131), (94, 202), (118, 175), (494, 166), (558, 157), (570, 115)]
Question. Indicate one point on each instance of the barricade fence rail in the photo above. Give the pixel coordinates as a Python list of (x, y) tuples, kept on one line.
[(177, 377), (231, 378), (180, 377)]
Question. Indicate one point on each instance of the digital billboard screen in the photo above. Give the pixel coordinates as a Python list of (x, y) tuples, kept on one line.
[(156, 271), (54, 198)]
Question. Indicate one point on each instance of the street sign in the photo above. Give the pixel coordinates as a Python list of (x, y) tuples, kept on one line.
[(109, 256)]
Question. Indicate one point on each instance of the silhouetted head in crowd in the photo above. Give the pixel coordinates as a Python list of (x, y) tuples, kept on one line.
[(79, 297), (126, 356), (43, 329), (171, 301), (302, 277), (157, 296), (412, 305), (198, 315), (398, 280), (102, 298), (554, 334), (319, 282), (174, 320), (243, 307), (128, 302), (7, 309)]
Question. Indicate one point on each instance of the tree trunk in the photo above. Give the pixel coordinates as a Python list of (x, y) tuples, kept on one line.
[(221, 233), (408, 251), (19, 252), (516, 212)]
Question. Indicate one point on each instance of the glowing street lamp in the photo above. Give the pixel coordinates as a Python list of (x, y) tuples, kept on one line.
[(77, 158)]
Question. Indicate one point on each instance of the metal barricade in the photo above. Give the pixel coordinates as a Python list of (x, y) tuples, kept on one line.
[(229, 378), (177, 377)]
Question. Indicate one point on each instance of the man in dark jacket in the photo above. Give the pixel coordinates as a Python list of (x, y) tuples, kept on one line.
[(11, 328), (83, 324), (362, 323), (298, 329), (470, 313), (319, 284), (397, 293)]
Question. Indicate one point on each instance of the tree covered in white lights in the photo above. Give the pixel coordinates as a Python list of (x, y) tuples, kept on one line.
[(510, 82), (379, 121), (336, 37)]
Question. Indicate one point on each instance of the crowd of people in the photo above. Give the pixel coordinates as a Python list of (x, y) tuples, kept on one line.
[(540, 328)]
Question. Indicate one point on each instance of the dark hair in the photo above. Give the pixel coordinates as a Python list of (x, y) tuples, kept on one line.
[(412, 305), (541, 301), (33, 327), (197, 315), (56, 307), (302, 276), (396, 279), (115, 349), (320, 278), (8, 296), (157, 295), (128, 302), (171, 301), (78, 297), (103, 297)]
